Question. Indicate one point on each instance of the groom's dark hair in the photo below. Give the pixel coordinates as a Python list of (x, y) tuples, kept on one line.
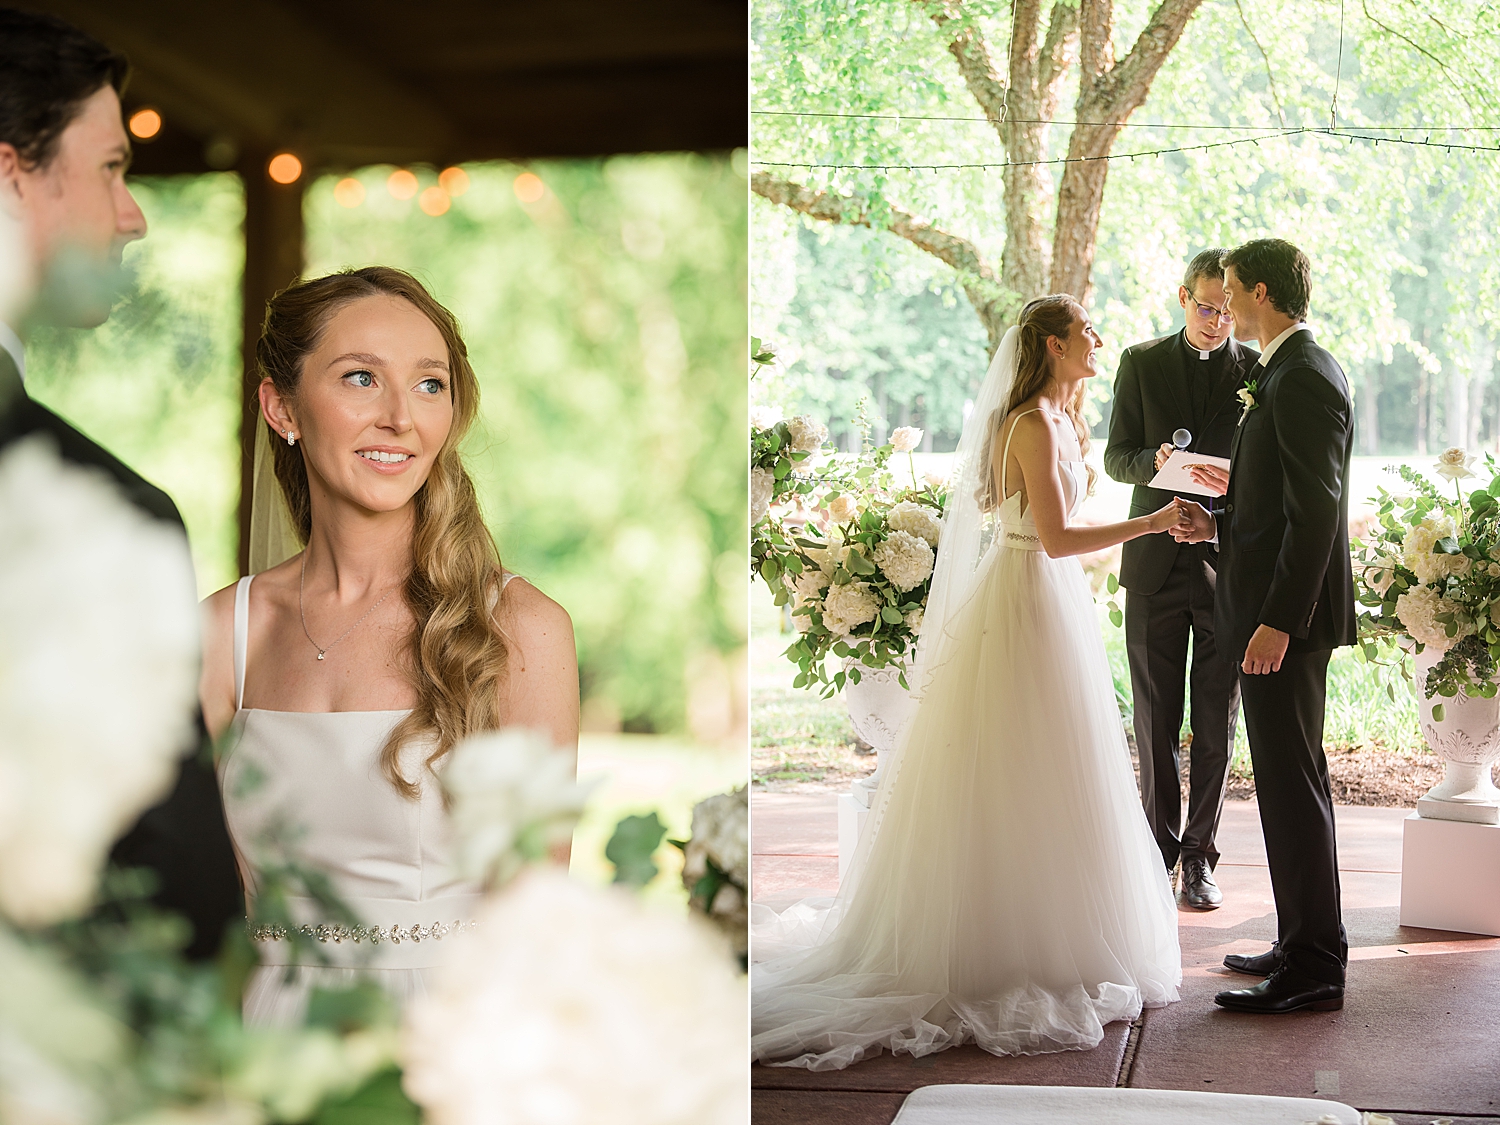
[(1281, 267), (48, 69)]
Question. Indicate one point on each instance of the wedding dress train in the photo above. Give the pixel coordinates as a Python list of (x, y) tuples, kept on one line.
[(1006, 890)]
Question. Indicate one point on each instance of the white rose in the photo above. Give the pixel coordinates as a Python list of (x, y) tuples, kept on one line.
[(934, 480), (512, 797), (1417, 609), (905, 438), (1454, 463), (721, 834), (762, 484), (764, 417), (914, 621), (807, 434), (1494, 570), (915, 519), (847, 607), (98, 675), (572, 1005), (904, 559), (843, 508)]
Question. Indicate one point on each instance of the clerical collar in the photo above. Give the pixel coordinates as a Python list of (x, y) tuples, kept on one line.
[(12, 343), (1201, 353)]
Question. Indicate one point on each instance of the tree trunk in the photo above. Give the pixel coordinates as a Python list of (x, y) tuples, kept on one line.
[(1108, 94)]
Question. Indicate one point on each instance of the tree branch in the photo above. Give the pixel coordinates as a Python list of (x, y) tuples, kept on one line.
[(1123, 87), (1265, 58), (977, 276), (1062, 32), (975, 65), (1459, 86)]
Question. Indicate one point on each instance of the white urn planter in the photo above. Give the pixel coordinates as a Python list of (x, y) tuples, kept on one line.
[(879, 709), (1467, 739)]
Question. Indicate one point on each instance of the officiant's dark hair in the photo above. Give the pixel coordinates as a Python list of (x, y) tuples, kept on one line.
[(1205, 264), (1281, 267), (48, 69), (457, 655)]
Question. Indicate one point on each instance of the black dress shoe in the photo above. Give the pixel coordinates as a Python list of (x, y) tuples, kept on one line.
[(1198, 887), (1283, 991), (1256, 965)]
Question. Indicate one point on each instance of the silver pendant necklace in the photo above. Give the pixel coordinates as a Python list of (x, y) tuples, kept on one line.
[(322, 652)]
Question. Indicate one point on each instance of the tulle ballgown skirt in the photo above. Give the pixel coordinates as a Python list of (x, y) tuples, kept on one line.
[(1007, 891)]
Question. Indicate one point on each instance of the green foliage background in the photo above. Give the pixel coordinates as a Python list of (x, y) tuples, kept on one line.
[(1403, 238), (607, 326)]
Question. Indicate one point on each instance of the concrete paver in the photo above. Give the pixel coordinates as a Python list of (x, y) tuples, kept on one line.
[(1419, 1035)]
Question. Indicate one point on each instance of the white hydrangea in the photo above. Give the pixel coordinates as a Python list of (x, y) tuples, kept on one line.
[(810, 584), (905, 438), (764, 417), (904, 559), (914, 621), (572, 1005), (1380, 573), (512, 796), (721, 833), (843, 508), (807, 434), (1418, 608), (98, 675), (1417, 553), (847, 607), (762, 483), (915, 519)]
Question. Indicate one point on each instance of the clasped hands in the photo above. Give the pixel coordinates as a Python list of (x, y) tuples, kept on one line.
[(1195, 524)]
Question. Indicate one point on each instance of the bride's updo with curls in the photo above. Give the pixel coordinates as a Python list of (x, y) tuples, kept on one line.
[(456, 654), (1045, 317)]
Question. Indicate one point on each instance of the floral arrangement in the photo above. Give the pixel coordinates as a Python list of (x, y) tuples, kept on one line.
[(853, 555), (567, 1004), (1431, 576), (716, 865)]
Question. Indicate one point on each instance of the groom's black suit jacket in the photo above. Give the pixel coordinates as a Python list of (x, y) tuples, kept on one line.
[(183, 839), (1153, 398), (1284, 527)]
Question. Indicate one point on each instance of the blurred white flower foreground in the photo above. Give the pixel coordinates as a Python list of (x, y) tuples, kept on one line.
[(98, 676), (573, 1005)]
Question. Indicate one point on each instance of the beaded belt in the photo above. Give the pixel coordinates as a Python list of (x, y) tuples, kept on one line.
[(1023, 541), (398, 934)]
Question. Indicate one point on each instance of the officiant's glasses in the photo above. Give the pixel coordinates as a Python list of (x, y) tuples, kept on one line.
[(1208, 312)]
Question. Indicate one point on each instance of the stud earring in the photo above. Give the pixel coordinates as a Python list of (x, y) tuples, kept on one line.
[(291, 438)]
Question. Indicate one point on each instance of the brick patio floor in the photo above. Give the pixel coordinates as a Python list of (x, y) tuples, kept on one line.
[(1418, 1037)]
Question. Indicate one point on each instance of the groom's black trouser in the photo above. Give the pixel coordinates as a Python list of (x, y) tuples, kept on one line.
[(1284, 719), (1157, 628)]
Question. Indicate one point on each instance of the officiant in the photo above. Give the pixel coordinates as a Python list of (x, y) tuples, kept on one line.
[(1181, 386)]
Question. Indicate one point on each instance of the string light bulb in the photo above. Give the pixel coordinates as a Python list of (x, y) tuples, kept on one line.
[(402, 183), (284, 168), (349, 192), (529, 187), (454, 180), (434, 201), (145, 124)]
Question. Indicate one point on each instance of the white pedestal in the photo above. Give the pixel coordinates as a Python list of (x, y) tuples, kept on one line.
[(1450, 875), (851, 822)]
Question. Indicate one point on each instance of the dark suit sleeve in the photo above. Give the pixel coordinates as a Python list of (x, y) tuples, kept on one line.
[(1312, 427), (1126, 458)]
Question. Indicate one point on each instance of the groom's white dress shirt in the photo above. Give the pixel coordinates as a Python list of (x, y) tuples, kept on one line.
[(12, 343), (1270, 349)]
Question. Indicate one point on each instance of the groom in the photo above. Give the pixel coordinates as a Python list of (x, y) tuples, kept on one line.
[(63, 155), (1285, 600)]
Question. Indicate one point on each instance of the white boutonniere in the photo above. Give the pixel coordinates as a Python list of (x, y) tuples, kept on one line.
[(1247, 399)]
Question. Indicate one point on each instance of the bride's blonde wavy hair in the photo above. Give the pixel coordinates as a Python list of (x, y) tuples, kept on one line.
[(1040, 319), (457, 655)]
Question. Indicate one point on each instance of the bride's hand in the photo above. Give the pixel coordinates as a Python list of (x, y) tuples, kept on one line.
[(1167, 518)]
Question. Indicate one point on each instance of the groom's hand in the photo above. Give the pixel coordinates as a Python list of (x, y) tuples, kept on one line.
[(1198, 524), (1265, 651)]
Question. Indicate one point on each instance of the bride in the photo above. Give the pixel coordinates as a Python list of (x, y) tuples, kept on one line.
[(1006, 890), (345, 674)]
